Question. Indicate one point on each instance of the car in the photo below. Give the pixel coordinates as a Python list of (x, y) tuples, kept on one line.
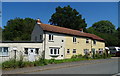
[(117, 54)]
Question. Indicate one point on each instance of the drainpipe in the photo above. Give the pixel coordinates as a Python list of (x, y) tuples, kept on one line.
[(44, 45)]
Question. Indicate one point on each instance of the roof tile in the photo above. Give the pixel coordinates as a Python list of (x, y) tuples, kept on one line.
[(63, 30)]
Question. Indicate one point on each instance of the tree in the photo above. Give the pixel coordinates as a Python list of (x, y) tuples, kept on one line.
[(104, 26), (118, 34), (67, 17), (110, 39), (18, 29)]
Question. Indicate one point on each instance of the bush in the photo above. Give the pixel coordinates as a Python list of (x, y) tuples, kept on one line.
[(51, 61), (9, 64), (42, 61), (77, 56)]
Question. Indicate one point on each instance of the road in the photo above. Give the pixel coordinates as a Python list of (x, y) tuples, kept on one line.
[(107, 67)]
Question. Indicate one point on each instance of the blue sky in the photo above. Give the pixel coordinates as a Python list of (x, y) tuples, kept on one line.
[(91, 11)]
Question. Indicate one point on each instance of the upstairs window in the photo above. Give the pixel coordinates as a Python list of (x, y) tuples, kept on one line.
[(94, 41), (50, 37), (74, 39), (3, 51), (35, 38), (40, 37), (87, 40)]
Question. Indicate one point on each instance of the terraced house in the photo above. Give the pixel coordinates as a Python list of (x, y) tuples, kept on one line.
[(50, 42)]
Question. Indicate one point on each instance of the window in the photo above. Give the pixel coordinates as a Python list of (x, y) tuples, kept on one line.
[(50, 37), (54, 51), (74, 39), (86, 51), (87, 40), (3, 51), (26, 51), (94, 41), (51, 51), (68, 51), (74, 50), (37, 51), (35, 38), (100, 50), (40, 37)]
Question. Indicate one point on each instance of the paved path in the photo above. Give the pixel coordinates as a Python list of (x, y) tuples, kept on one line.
[(80, 67)]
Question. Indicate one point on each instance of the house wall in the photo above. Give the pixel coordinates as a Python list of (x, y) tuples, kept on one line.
[(80, 45), (37, 31), (20, 50), (98, 45), (56, 43)]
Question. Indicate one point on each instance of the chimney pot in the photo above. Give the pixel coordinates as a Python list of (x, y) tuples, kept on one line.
[(81, 29), (38, 21)]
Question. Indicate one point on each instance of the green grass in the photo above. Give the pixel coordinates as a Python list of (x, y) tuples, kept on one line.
[(41, 62)]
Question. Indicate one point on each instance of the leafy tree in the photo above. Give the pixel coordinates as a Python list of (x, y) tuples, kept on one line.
[(104, 26), (68, 17), (110, 39), (118, 34), (18, 29)]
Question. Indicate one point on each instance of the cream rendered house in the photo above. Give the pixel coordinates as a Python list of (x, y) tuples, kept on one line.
[(61, 43), (52, 42)]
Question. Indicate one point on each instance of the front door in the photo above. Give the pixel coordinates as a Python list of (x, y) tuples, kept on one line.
[(31, 54)]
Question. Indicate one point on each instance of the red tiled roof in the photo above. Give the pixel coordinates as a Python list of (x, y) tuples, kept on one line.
[(63, 30)]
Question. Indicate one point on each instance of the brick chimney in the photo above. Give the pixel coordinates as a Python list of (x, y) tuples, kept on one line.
[(38, 21), (81, 29)]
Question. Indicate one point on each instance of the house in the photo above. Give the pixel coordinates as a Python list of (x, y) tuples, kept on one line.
[(52, 42), (61, 43)]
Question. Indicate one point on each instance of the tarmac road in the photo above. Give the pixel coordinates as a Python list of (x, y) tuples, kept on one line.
[(103, 67)]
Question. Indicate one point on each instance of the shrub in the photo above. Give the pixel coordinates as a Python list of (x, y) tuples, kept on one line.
[(42, 61), (51, 61), (9, 64)]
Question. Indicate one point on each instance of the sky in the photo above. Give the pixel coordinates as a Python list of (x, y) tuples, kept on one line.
[(91, 11)]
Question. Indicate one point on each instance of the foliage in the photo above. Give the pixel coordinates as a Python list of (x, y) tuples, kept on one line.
[(110, 39), (18, 29), (104, 26), (76, 56), (41, 62), (118, 34), (68, 17)]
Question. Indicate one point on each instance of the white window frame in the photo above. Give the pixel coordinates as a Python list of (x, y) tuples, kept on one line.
[(4, 53), (33, 51), (68, 50), (75, 51), (52, 37), (74, 39), (87, 40), (53, 51), (95, 42)]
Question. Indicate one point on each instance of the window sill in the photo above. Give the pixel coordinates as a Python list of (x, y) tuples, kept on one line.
[(68, 53), (4, 56), (50, 41), (53, 55), (75, 42)]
